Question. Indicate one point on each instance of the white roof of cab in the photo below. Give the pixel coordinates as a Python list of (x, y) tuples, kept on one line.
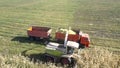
[(73, 44)]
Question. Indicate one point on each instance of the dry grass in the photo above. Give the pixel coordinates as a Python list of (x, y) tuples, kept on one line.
[(98, 58), (18, 61)]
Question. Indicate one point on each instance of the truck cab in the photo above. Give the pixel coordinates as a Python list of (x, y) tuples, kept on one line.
[(84, 40)]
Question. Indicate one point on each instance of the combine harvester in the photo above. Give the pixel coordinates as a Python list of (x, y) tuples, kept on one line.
[(61, 53)]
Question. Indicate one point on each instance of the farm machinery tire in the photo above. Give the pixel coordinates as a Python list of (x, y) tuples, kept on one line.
[(70, 62), (32, 38), (49, 58), (64, 61)]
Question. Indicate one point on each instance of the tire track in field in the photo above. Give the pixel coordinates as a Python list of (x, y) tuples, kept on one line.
[(11, 30), (12, 26), (10, 33)]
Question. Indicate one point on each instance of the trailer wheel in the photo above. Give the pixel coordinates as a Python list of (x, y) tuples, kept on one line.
[(37, 38), (31, 38), (46, 41), (64, 61)]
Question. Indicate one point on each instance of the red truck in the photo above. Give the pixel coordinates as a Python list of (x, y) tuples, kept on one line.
[(36, 32)]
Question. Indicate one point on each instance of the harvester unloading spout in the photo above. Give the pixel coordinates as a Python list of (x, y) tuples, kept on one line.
[(65, 41)]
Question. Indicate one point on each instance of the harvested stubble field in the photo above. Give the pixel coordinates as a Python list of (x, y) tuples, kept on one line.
[(99, 18)]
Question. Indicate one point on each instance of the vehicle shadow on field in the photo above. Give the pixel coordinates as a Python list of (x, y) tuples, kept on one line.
[(34, 57), (27, 40)]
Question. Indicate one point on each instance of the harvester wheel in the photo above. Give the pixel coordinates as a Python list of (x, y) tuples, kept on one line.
[(64, 61), (49, 59), (73, 63)]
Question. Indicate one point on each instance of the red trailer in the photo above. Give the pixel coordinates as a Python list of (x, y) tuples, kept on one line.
[(71, 37), (81, 38), (36, 32)]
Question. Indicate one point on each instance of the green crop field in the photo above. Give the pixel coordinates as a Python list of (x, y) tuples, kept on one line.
[(99, 18)]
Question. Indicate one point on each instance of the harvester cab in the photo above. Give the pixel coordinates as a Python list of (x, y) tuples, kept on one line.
[(71, 46)]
